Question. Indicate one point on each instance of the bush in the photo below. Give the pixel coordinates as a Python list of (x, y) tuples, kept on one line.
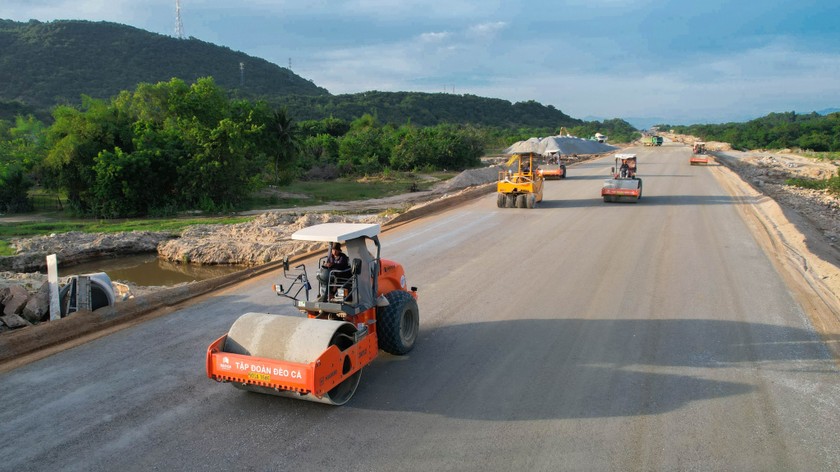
[(325, 172), (14, 191), (832, 184)]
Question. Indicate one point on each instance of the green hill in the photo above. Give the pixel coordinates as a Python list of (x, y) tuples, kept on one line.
[(43, 64), (429, 109)]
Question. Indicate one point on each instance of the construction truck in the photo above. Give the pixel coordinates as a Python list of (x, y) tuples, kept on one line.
[(319, 357), (624, 186), (649, 140), (698, 154), (520, 184)]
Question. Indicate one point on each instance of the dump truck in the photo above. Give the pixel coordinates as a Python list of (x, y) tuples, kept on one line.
[(624, 186), (649, 140), (319, 357), (520, 185), (698, 154)]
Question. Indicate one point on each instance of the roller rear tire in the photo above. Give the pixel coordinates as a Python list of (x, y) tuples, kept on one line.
[(398, 324)]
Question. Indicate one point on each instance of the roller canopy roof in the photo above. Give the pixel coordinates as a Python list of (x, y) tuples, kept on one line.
[(336, 232)]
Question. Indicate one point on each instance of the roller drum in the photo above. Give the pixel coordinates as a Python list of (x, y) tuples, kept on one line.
[(292, 339)]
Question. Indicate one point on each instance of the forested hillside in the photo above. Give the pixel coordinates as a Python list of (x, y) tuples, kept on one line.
[(55, 63), (120, 122), (810, 131), (429, 109), (44, 64)]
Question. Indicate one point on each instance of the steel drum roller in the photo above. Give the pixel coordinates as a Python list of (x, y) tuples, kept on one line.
[(292, 339)]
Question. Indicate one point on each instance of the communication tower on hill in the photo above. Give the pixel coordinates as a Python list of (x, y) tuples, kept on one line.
[(179, 25)]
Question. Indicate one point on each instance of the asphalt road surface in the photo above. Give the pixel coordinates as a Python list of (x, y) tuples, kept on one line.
[(579, 335)]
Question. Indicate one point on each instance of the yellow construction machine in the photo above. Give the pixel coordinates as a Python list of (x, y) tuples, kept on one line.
[(521, 185)]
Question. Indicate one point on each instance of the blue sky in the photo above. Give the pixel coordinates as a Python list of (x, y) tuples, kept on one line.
[(645, 61)]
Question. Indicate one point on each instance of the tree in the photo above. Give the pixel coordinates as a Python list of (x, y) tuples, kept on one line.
[(76, 138), (21, 152), (441, 147), (284, 140), (14, 188), (366, 148)]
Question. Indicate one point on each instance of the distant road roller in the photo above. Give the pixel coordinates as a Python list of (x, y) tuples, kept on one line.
[(552, 171), (624, 186), (521, 185), (698, 154), (319, 357)]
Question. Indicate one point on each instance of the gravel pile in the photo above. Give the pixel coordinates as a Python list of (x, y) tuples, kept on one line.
[(469, 178)]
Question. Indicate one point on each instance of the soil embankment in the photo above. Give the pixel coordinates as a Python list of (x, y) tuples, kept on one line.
[(257, 243)]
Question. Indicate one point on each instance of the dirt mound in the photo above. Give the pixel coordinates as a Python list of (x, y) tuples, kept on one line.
[(469, 178), (75, 247), (265, 239), (711, 146)]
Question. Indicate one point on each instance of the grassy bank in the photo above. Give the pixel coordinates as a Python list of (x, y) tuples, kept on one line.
[(824, 156), (832, 184), (42, 228), (301, 193), (317, 192)]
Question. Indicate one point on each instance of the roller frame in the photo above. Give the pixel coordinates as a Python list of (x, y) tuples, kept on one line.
[(619, 192)]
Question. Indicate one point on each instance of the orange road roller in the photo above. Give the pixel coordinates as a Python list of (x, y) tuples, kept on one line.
[(363, 306)]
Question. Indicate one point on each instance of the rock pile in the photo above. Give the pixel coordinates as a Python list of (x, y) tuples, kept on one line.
[(24, 303)]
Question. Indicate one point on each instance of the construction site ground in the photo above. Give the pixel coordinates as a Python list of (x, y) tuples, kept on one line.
[(807, 219)]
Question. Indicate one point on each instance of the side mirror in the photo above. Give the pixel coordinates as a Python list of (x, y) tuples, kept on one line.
[(612, 170), (356, 266), (285, 262)]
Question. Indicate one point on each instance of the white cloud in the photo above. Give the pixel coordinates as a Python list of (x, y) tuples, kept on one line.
[(486, 29), (434, 37), (477, 48), (428, 8), (153, 15), (748, 83)]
